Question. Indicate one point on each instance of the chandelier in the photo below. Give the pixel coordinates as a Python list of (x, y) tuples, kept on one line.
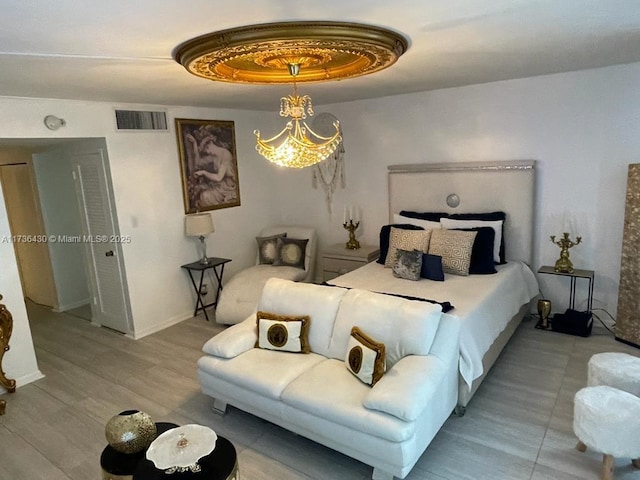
[(286, 52), (297, 145)]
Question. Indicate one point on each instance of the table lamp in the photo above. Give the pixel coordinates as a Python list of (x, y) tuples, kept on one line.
[(199, 225)]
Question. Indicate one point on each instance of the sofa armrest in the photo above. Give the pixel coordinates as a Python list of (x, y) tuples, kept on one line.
[(234, 340), (406, 389)]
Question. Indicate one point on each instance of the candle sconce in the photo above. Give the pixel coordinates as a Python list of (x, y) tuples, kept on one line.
[(351, 226)]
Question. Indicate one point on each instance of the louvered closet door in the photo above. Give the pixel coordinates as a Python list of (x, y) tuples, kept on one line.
[(109, 307), (628, 319)]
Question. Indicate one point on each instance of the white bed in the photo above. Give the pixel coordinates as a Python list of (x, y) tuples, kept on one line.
[(490, 306)]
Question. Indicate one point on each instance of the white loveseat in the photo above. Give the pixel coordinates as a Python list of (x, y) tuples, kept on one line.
[(387, 426)]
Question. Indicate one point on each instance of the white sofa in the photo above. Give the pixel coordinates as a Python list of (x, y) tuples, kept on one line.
[(387, 426)]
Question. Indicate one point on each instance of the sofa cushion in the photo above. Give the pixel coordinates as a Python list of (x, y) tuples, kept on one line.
[(291, 252), (283, 332), (406, 327), (262, 371), (319, 302), (268, 248), (365, 357), (327, 390)]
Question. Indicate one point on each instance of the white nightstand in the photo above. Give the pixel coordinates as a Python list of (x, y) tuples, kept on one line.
[(338, 260)]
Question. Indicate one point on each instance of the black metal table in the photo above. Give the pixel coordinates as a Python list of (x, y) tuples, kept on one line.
[(217, 266), (586, 274)]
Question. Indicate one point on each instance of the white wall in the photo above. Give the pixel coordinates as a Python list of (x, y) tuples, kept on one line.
[(61, 217), (581, 128)]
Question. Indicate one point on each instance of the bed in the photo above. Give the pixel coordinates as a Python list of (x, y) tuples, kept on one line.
[(490, 306)]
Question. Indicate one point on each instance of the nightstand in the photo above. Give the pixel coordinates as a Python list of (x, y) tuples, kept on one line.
[(338, 259), (586, 274)]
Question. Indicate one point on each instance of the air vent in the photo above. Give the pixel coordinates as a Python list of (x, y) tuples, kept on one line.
[(140, 120)]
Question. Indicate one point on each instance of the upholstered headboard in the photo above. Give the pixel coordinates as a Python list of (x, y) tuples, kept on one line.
[(480, 187)]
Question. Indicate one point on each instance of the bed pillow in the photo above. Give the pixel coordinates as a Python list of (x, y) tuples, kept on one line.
[(283, 332), (452, 223), (489, 217), (431, 267), (406, 240), (268, 248), (365, 357), (482, 252), (290, 252), (454, 246), (426, 224), (408, 264), (430, 216), (385, 231)]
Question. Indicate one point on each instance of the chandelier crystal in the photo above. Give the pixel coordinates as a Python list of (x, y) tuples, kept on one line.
[(297, 145)]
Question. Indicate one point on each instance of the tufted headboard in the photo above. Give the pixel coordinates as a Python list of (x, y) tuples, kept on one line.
[(480, 187)]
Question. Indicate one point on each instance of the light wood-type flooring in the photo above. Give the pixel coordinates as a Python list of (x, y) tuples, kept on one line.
[(517, 427)]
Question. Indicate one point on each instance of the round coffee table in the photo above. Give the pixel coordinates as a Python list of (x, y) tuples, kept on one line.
[(221, 464)]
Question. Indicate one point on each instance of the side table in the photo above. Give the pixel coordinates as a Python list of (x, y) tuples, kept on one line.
[(338, 259), (586, 274), (217, 266)]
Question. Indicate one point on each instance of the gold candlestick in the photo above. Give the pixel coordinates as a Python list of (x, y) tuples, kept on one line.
[(353, 243), (564, 264)]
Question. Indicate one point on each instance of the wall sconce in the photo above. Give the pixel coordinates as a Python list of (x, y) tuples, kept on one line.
[(54, 123), (199, 225)]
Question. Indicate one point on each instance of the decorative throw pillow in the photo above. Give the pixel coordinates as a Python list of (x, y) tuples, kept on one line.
[(482, 252), (406, 240), (268, 248), (408, 264), (454, 246), (487, 217), (432, 267), (495, 224), (282, 332), (291, 252), (365, 358), (385, 232)]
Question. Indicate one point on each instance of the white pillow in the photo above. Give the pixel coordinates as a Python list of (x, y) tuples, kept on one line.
[(451, 223), (426, 224)]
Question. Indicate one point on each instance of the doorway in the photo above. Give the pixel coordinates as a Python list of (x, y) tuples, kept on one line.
[(72, 181)]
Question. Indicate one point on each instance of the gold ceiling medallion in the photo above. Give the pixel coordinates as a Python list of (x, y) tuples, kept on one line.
[(261, 53), (292, 52)]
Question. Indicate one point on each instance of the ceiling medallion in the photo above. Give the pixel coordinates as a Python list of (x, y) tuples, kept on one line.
[(261, 54)]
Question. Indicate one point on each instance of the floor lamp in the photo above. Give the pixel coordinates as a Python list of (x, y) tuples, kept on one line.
[(199, 225)]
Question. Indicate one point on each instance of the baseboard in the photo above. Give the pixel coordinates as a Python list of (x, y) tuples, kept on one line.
[(24, 380), (161, 326), (627, 342), (70, 306)]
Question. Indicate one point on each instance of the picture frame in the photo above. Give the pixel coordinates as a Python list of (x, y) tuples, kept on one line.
[(208, 164)]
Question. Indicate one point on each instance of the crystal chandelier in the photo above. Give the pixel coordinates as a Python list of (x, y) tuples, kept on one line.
[(297, 145)]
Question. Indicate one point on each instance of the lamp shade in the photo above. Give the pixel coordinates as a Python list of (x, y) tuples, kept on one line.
[(198, 224)]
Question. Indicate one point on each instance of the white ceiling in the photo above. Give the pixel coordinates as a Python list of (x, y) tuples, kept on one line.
[(117, 51)]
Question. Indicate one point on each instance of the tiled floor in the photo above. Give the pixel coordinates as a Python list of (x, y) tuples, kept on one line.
[(517, 427)]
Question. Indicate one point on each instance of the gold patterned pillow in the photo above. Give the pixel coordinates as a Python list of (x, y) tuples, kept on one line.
[(406, 240), (268, 248), (283, 332), (365, 357), (454, 246)]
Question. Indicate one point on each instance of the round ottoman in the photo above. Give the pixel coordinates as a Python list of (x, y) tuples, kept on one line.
[(608, 420), (619, 370)]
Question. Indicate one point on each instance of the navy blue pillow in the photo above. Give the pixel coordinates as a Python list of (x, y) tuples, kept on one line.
[(482, 251), (432, 267), (491, 217), (430, 216), (385, 231)]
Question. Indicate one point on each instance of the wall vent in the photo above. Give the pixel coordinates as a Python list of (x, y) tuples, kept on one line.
[(140, 120)]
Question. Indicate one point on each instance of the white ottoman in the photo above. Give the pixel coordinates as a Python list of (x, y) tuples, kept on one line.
[(619, 370), (608, 420)]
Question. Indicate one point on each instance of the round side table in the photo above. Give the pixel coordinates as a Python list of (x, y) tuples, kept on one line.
[(221, 464)]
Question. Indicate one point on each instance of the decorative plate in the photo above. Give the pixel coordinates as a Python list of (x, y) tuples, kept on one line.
[(179, 449)]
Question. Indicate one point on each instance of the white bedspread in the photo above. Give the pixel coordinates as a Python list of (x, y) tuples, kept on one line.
[(484, 303)]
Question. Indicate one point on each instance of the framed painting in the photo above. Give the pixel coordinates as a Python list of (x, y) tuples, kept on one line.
[(208, 164)]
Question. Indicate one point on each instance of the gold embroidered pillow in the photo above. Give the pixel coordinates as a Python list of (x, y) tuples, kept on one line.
[(365, 357), (268, 248), (283, 332), (454, 246), (406, 240)]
